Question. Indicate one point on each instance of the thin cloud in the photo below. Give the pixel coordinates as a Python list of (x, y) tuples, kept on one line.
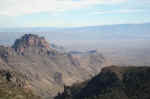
[(119, 11), (21, 7)]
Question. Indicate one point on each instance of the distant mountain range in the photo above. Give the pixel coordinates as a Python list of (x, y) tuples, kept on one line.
[(121, 31)]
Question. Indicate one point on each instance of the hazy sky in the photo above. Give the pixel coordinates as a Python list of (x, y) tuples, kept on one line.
[(69, 13)]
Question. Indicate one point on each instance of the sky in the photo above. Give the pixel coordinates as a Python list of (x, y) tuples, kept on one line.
[(72, 13)]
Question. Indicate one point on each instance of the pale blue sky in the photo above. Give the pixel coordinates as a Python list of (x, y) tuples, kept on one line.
[(72, 13)]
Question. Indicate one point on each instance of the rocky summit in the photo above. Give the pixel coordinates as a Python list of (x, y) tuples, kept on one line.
[(45, 70), (31, 43), (30, 40)]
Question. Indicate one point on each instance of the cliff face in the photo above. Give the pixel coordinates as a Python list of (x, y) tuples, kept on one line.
[(30, 40), (113, 83), (45, 69), (31, 44)]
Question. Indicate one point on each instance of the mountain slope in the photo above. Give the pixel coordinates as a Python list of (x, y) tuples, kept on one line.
[(9, 89), (45, 69), (113, 83)]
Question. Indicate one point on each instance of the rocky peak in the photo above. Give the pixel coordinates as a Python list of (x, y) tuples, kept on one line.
[(30, 41)]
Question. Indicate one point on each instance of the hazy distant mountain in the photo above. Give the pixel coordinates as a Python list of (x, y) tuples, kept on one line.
[(122, 31), (57, 47), (45, 69), (123, 44)]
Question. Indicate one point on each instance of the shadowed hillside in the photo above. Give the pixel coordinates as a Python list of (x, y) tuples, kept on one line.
[(113, 83)]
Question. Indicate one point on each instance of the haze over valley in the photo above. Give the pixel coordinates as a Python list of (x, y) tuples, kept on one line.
[(74, 49), (124, 44)]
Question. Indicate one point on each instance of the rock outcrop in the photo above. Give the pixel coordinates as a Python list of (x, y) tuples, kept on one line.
[(11, 88), (31, 44)]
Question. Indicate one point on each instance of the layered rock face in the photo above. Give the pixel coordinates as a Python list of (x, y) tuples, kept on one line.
[(29, 40), (31, 44), (45, 69)]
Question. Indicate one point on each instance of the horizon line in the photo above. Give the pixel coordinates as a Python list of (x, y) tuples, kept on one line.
[(72, 27)]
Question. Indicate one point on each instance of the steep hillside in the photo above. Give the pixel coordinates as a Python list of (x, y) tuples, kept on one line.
[(45, 69), (113, 83), (10, 89)]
